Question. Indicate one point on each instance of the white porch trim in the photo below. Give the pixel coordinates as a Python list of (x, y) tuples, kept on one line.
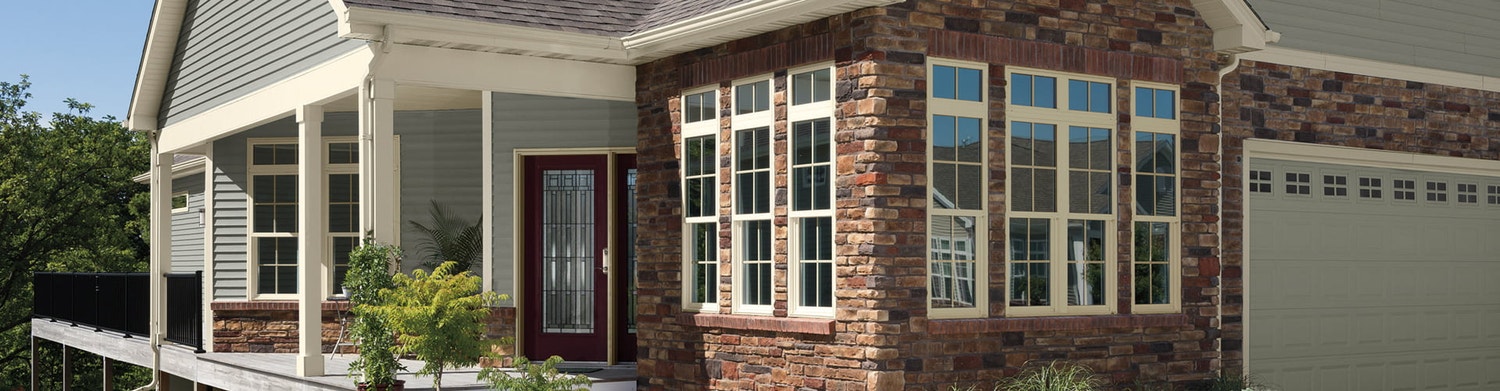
[(331, 80), (470, 70), (311, 223)]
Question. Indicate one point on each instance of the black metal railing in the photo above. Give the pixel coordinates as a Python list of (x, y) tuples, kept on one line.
[(119, 302), (185, 309)]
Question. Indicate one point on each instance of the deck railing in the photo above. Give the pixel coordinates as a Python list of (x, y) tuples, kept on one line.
[(121, 302)]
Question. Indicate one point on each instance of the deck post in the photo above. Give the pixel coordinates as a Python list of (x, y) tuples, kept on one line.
[(310, 226), (67, 369), (107, 379), (35, 352)]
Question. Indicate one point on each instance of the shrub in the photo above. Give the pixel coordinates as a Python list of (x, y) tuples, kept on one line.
[(534, 377), (1055, 376)]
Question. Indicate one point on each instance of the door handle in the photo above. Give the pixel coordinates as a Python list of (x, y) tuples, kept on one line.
[(604, 261)]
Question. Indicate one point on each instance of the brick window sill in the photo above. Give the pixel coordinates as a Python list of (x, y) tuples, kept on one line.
[(1054, 323), (760, 323), (273, 305)]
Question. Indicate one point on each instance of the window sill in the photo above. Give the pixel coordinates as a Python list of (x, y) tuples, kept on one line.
[(999, 325), (273, 305), (759, 323)]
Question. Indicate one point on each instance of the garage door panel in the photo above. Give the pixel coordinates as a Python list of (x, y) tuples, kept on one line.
[(1373, 287)]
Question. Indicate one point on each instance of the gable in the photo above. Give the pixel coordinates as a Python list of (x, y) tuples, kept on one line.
[(1455, 36), (227, 48)]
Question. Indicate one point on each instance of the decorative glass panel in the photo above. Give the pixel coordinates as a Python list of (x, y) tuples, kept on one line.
[(631, 261), (567, 251)]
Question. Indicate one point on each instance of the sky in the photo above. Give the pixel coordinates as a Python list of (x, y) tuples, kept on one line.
[(88, 50)]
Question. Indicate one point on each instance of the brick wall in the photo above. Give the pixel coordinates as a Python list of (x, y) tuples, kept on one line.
[(1279, 102), (881, 337), (271, 327)]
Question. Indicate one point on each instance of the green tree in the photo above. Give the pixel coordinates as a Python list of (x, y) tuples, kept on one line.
[(370, 270), (439, 317), (65, 195)]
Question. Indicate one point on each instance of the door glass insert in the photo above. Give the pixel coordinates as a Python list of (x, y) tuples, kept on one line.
[(629, 246), (567, 251)]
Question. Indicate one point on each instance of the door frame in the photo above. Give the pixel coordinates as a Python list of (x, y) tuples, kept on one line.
[(518, 248)]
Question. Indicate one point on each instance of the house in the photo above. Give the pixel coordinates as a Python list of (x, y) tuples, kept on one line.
[(837, 194)]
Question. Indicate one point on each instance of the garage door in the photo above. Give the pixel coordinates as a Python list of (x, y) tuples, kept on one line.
[(1373, 278)]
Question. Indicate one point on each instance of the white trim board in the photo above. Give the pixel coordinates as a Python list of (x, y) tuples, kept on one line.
[(1360, 66), (1332, 154)]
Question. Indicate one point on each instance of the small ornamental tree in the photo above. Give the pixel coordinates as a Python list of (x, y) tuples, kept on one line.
[(438, 317), (534, 377), (369, 274)]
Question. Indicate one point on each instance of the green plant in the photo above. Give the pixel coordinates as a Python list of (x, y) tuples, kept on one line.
[(438, 317), (369, 273), (450, 238), (534, 377), (1055, 376), (1233, 381)]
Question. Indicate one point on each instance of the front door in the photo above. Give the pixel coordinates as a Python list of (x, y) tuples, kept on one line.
[(579, 257)]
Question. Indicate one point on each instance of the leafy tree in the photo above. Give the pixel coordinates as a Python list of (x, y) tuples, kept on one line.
[(438, 317), (450, 238), (65, 193), (370, 270)]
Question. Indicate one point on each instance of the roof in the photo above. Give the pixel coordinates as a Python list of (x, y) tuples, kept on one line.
[(610, 18)]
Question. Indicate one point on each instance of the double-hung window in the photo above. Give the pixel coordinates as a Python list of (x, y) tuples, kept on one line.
[(1061, 228), (810, 114), (341, 166), (754, 264), (273, 217), (700, 192), (1157, 222), (958, 220)]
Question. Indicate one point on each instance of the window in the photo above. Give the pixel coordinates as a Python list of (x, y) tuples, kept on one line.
[(1298, 183), (957, 225), (179, 202), (1335, 186), (1492, 194), (1369, 187), (273, 216), (810, 217), (1061, 224), (342, 169), (1260, 181), (753, 191), (700, 210), (699, 107), (1405, 189), (1437, 192), (1468, 193), (1155, 229)]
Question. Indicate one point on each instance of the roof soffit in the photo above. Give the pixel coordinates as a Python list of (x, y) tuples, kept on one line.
[(156, 64)]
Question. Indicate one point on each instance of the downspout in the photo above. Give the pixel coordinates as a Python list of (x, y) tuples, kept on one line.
[(156, 284), (1234, 63)]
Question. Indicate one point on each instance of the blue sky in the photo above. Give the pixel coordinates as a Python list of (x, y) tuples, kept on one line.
[(83, 49)]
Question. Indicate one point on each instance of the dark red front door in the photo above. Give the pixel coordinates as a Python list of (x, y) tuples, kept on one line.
[(568, 262)]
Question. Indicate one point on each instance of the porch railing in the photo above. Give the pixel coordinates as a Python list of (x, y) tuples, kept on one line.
[(185, 309), (121, 302)]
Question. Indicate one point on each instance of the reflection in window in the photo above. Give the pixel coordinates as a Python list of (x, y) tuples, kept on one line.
[(699, 168), (957, 83), (952, 261), (755, 256), (1036, 91), (1156, 174), (1089, 157), (1155, 103), (1030, 262), (752, 179), (1088, 96), (1087, 246), (956, 158), (1033, 150), (811, 165), (703, 248), (1152, 278)]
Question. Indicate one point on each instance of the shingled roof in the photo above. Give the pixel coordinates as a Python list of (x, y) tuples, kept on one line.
[(610, 18)]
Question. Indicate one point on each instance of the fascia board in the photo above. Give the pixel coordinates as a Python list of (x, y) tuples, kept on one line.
[(179, 170), (735, 22), (1236, 27), (156, 64), (374, 24)]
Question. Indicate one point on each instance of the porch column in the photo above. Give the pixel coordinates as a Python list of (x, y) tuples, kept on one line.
[(310, 228), (378, 160), (161, 241)]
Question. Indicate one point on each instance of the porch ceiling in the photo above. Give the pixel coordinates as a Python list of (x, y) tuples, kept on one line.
[(409, 97)]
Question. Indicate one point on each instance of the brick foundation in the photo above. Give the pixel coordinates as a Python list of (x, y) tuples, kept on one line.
[(271, 326)]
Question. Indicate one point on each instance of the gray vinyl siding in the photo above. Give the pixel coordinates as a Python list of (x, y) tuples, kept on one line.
[(187, 235), (530, 121), (440, 159), (228, 48), (1456, 36)]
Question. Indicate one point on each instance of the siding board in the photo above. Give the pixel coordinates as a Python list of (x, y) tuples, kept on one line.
[(1455, 36), (187, 235)]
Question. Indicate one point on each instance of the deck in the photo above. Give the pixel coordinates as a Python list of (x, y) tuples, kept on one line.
[(264, 371)]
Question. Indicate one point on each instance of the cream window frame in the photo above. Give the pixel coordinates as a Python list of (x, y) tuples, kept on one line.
[(705, 128), (187, 202), (737, 123), (329, 170), (252, 272), (969, 109), (1172, 127), (825, 109), (1063, 118)]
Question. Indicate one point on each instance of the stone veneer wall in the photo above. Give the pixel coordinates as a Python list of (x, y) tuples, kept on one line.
[(882, 338), (1279, 102), (271, 327)]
